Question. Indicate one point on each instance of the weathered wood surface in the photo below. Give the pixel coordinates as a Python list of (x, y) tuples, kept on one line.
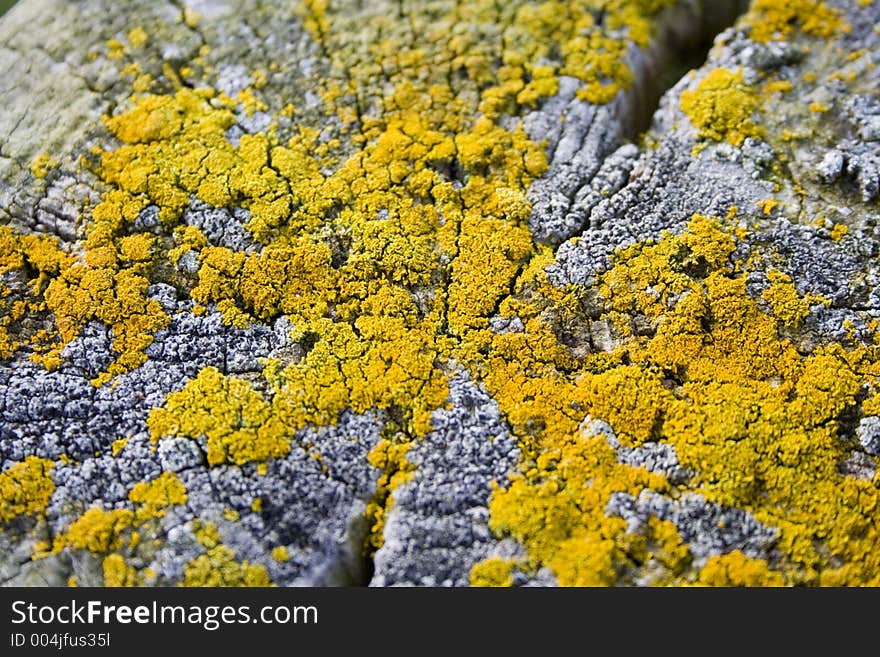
[(410, 293)]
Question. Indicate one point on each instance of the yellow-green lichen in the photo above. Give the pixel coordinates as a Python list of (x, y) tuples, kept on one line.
[(391, 245), (777, 19), (218, 566), (97, 531), (111, 532), (174, 146), (785, 302), (390, 459), (118, 573), (108, 285), (25, 488), (494, 571), (155, 496), (42, 164), (118, 445), (736, 569), (768, 205), (722, 106), (755, 419), (238, 424), (839, 231), (137, 37)]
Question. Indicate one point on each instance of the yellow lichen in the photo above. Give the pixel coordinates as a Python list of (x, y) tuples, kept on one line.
[(736, 569), (115, 49), (97, 531), (42, 164), (768, 205), (25, 488), (218, 566), (279, 553), (722, 107), (744, 409), (103, 532), (390, 459), (239, 425), (142, 83), (155, 496), (777, 19), (118, 573), (109, 286), (41, 259), (191, 18), (175, 146), (118, 445), (137, 38), (494, 571), (784, 300), (778, 86), (839, 231)]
